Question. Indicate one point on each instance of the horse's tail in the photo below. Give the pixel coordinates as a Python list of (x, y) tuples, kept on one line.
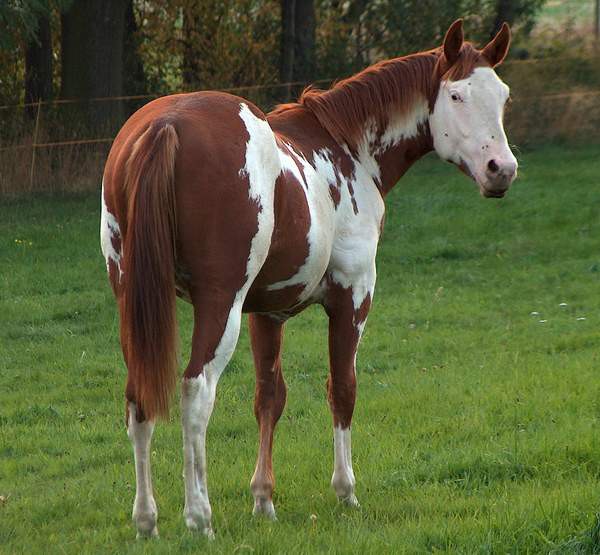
[(147, 303)]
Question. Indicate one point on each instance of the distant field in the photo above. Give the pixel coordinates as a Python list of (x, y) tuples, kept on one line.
[(478, 420), (557, 12)]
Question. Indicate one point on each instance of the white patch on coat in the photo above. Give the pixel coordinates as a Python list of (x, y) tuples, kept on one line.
[(406, 125), (341, 242), (367, 150), (352, 262), (468, 128), (343, 480), (355, 246), (360, 327), (262, 167), (320, 206), (109, 230), (197, 402), (402, 126), (144, 507)]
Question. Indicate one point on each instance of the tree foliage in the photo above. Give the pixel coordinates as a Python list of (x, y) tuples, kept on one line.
[(209, 44), (173, 45)]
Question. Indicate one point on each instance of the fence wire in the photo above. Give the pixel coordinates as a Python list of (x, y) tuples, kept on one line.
[(57, 141)]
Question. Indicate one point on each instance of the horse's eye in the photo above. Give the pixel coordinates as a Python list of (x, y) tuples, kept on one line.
[(455, 97)]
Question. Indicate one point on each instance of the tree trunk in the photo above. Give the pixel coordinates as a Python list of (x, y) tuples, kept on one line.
[(92, 56), (505, 11), (304, 41), (352, 18), (288, 20), (134, 77), (191, 61), (38, 65)]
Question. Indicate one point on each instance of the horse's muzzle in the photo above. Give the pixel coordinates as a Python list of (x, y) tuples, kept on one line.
[(499, 176)]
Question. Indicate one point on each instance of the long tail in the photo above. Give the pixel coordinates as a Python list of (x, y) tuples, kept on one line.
[(147, 307)]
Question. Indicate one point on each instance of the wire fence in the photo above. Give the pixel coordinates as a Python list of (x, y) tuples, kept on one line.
[(52, 145)]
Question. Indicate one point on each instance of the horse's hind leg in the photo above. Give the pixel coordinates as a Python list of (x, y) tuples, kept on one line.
[(212, 347), (266, 335), (140, 430)]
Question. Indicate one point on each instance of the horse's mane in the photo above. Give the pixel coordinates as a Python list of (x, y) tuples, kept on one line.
[(377, 91)]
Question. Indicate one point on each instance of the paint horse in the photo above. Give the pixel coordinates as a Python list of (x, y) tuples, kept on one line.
[(207, 198)]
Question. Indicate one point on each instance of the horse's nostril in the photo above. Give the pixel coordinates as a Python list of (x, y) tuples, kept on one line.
[(492, 166)]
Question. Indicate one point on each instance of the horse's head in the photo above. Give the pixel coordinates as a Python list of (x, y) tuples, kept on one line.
[(466, 122)]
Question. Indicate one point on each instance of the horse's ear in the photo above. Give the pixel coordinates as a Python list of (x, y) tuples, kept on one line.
[(453, 41), (497, 48)]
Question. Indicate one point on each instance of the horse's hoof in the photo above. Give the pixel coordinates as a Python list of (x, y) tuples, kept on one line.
[(146, 535), (350, 501), (264, 508), (206, 530), (198, 519), (145, 524), (197, 524)]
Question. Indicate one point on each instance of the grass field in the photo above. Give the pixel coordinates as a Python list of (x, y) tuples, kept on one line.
[(478, 419)]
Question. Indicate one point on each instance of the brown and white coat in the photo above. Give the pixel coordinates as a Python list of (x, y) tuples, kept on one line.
[(206, 197)]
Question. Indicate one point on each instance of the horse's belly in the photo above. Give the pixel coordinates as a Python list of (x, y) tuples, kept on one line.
[(293, 293)]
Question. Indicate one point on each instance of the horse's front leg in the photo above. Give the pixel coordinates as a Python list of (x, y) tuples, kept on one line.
[(347, 308)]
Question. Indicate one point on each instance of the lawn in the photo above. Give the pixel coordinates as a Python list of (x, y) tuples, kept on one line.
[(478, 418)]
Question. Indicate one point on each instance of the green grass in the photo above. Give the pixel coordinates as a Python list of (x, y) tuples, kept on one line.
[(477, 425)]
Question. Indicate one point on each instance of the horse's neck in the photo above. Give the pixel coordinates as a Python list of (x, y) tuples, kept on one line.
[(379, 117), (389, 153), (391, 141)]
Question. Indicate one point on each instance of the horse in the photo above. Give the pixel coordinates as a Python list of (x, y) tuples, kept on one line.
[(207, 198)]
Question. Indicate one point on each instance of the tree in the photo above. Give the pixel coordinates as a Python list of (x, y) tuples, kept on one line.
[(38, 63), (514, 11), (134, 76), (190, 70), (92, 55), (297, 50), (26, 48), (287, 48), (304, 41)]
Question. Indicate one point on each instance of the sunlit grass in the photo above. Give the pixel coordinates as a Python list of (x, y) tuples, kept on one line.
[(477, 422)]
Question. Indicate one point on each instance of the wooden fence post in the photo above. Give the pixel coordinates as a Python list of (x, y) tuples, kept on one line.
[(34, 144), (597, 21)]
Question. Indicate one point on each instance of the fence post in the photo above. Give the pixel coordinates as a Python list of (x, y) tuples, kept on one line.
[(597, 21), (34, 144)]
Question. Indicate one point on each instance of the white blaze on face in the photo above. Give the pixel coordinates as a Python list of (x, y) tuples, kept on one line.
[(466, 126)]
